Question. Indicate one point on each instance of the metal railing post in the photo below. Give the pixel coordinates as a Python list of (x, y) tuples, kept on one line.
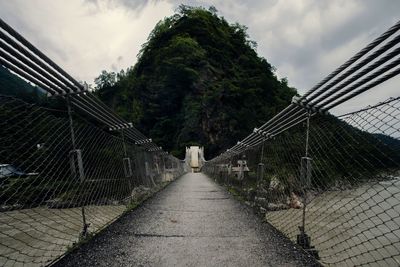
[(305, 179), (261, 165), (127, 163), (78, 154), (303, 225)]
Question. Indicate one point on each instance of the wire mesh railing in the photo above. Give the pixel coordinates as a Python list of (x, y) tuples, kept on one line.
[(65, 174), (351, 197), (55, 191), (330, 184)]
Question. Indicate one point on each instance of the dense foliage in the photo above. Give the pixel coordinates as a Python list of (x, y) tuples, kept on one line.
[(198, 80)]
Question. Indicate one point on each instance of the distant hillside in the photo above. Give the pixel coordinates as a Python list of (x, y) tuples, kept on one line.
[(12, 85), (389, 141), (198, 80)]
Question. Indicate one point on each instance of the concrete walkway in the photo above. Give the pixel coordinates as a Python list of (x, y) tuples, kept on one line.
[(193, 222)]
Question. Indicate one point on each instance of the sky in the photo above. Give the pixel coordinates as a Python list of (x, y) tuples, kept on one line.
[(304, 39)]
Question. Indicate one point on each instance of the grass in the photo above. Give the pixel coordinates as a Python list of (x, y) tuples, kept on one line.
[(235, 193)]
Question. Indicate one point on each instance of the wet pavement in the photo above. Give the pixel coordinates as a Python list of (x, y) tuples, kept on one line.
[(192, 222)]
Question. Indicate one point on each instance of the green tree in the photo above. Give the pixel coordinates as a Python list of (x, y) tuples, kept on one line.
[(198, 80)]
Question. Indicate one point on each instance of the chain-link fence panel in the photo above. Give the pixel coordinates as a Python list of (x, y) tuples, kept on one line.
[(330, 185), (60, 182)]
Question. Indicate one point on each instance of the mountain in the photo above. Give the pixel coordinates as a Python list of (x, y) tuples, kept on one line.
[(12, 85), (198, 80)]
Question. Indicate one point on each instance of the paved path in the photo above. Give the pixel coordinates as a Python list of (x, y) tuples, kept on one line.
[(193, 222)]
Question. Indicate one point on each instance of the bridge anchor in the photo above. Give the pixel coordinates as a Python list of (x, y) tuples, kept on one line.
[(304, 241)]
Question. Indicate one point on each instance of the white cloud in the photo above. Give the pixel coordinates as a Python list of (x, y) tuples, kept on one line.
[(304, 39), (85, 38)]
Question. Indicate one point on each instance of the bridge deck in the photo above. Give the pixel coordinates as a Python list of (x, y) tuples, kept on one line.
[(193, 222)]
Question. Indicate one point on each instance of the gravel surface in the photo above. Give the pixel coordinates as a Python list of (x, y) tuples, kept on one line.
[(192, 222)]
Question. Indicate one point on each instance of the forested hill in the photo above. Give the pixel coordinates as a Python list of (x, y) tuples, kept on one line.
[(198, 80), (12, 85)]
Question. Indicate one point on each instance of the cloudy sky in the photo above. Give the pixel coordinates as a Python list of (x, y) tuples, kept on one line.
[(304, 39)]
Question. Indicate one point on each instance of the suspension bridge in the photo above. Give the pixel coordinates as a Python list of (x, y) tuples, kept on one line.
[(81, 186)]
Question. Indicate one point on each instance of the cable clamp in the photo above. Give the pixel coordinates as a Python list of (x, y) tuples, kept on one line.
[(308, 107), (143, 141), (155, 149), (262, 133), (121, 126), (80, 90), (242, 144)]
